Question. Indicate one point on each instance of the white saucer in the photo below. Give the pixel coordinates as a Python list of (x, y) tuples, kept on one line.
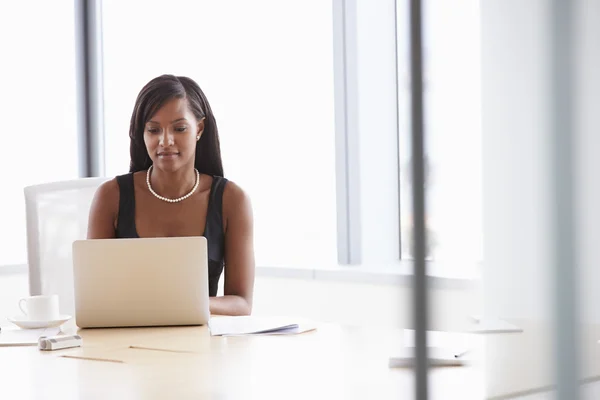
[(25, 323)]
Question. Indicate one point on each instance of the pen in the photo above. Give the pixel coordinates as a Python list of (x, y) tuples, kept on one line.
[(461, 354)]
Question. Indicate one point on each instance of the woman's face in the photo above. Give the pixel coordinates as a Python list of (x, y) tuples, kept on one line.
[(171, 135)]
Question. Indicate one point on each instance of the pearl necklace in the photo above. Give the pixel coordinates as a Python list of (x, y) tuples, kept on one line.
[(172, 200)]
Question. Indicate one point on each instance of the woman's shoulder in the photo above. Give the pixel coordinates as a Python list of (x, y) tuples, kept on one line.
[(112, 186), (106, 198), (235, 198), (108, 191)]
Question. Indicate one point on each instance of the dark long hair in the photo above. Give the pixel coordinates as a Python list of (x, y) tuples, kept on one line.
[(151, 98)]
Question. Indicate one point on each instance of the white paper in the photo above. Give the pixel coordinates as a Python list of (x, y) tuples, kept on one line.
[(24, 337), (436, 357), (492, 325), (250, 325), (300, 328), (443, 348)]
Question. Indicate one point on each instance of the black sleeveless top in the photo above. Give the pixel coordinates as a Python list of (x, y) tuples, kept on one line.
[(213, 230)]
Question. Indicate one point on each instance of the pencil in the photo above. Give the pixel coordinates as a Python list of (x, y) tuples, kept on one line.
[(159, 349), (93, 359)]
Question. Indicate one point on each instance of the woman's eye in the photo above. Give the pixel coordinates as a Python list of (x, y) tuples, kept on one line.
[(180, 129), (152, 130)]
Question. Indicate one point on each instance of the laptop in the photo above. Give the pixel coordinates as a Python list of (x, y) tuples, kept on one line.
[(141, 282)]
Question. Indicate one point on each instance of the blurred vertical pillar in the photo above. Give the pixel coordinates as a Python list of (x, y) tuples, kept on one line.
[(420, 307), (564, 191), (89, 86)]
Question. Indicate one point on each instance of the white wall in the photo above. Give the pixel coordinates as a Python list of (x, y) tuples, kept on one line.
[(516, 176), (588, 160)]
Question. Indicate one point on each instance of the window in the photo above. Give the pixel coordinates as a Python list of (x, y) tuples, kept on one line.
[(38, 107), (451, 40), (269, 80)]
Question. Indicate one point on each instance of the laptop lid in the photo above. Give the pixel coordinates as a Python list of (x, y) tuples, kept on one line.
[(141, 282)]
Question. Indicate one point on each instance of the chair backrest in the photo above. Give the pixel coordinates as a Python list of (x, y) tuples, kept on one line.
[(57, 214)]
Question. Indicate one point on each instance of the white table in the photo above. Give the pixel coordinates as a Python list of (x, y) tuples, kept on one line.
[(333, 362)]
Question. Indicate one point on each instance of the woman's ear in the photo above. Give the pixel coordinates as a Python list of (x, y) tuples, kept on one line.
[(200, 129)]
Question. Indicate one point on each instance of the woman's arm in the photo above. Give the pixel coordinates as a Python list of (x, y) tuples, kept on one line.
[(103, 211), (239, 255)]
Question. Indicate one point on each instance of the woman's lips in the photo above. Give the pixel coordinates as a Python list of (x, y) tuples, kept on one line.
[(168, 154)]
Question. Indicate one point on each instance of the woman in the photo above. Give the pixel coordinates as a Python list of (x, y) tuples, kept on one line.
[(176, 188)]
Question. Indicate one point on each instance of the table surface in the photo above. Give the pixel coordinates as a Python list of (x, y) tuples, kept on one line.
[(332, 362)]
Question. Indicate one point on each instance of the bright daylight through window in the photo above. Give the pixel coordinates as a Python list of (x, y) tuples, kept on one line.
[(453, 133), (270, 84)]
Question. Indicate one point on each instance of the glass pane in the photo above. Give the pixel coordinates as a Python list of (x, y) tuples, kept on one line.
[(270, 84), (453, 132), (38, 105)]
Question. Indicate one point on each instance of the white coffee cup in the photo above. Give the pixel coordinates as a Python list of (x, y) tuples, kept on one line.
[(40, 308)]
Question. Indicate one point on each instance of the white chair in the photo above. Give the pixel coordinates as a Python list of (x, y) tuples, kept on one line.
[(57, 214)]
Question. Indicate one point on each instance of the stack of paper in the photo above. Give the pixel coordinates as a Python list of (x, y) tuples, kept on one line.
[(249, 325), (24, 337), (443, 349), (440, 357), (492, 325)]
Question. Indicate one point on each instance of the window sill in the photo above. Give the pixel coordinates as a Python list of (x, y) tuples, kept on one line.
[(13, 269), (399, 273)]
